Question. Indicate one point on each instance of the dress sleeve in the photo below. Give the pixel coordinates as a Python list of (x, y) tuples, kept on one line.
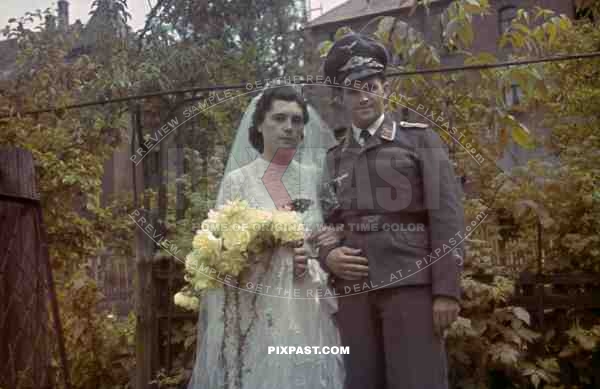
[(231, 188)]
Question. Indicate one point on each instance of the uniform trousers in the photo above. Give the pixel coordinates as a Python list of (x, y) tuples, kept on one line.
[(391, 338)]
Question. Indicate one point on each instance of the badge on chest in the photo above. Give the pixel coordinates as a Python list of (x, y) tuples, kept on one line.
[(388, 133)]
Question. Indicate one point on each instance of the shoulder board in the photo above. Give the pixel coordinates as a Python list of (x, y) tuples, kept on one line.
[(413, 125)]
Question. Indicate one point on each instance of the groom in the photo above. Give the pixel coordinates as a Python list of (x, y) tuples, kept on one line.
[(397, 267)]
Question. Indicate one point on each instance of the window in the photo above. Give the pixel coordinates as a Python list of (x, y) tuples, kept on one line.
[(505, 17), (513, 95)]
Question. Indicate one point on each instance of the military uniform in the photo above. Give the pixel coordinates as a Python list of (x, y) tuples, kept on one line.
[(399, 202)]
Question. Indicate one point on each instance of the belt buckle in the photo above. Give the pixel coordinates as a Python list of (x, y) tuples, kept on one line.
[(370, 219)]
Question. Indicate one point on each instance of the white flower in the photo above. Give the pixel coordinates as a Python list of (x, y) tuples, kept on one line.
[(207, 243), (287, 226), (187, 302)]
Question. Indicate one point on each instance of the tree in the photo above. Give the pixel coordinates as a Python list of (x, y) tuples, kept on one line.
[(268, 29)]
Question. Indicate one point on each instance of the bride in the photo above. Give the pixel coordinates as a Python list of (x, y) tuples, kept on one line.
[(275, 159)]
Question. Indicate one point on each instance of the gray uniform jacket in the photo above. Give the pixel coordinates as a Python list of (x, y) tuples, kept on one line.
[(398, 200)]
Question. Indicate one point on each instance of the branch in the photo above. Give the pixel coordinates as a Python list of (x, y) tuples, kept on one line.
[(153, 13)]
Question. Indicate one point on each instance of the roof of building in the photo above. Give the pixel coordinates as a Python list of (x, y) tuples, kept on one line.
[(352, 9), (104, 20)]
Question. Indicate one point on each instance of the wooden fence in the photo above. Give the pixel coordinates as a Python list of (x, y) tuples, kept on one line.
[(539, 293), (517, 254), (115, 278), (29, 321)]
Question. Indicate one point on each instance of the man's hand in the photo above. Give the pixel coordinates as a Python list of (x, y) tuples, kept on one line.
[(328, 236), (346, 263), (300, 261), (445, 311)]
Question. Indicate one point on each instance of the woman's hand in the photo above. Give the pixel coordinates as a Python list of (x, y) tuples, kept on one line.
[(300, 261)]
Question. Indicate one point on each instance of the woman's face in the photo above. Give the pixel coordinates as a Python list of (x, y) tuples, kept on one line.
[(283, 127)]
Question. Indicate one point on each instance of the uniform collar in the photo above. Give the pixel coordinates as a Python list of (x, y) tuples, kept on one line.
[(386, 132), (372, 128)]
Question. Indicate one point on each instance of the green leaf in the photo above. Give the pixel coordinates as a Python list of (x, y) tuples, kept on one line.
[(472, 6), (552, 30), (522, 314), (435, 57), (324, 48), (536, 74), (384, 28), (451, 28), (481, 59), (522, 136), (400, 37), (504, 353), (527, 334), (565, 23), (521, 27), (535, 380), (586, 342), (465, 34), (341, 32), (189, 341), (549, 364)]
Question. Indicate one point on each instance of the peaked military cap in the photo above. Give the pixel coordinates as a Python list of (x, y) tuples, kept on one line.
[(354, 57)]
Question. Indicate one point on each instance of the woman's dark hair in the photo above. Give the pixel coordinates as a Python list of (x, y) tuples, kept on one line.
[(265, 103)]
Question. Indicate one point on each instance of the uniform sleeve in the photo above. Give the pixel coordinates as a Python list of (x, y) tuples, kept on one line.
[(326, 199), (443, 200)]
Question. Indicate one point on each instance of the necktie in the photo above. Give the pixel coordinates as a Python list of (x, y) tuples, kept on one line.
[(364, 136)]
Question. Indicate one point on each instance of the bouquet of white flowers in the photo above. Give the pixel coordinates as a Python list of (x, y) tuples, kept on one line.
[(228, 238)]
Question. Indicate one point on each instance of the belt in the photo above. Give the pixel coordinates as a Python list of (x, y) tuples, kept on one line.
[(420, 217)]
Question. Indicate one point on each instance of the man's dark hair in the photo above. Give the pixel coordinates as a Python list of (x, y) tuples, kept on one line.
[(265, 103)]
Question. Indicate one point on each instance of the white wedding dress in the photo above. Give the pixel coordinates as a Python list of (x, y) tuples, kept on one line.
[(234, 319)]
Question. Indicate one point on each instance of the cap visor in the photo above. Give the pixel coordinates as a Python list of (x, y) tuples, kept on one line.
[(362, 74)]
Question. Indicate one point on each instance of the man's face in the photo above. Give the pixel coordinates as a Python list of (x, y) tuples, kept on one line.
[(366, 100)]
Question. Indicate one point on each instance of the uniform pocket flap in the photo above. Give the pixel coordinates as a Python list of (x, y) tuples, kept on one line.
[(415, 238)]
